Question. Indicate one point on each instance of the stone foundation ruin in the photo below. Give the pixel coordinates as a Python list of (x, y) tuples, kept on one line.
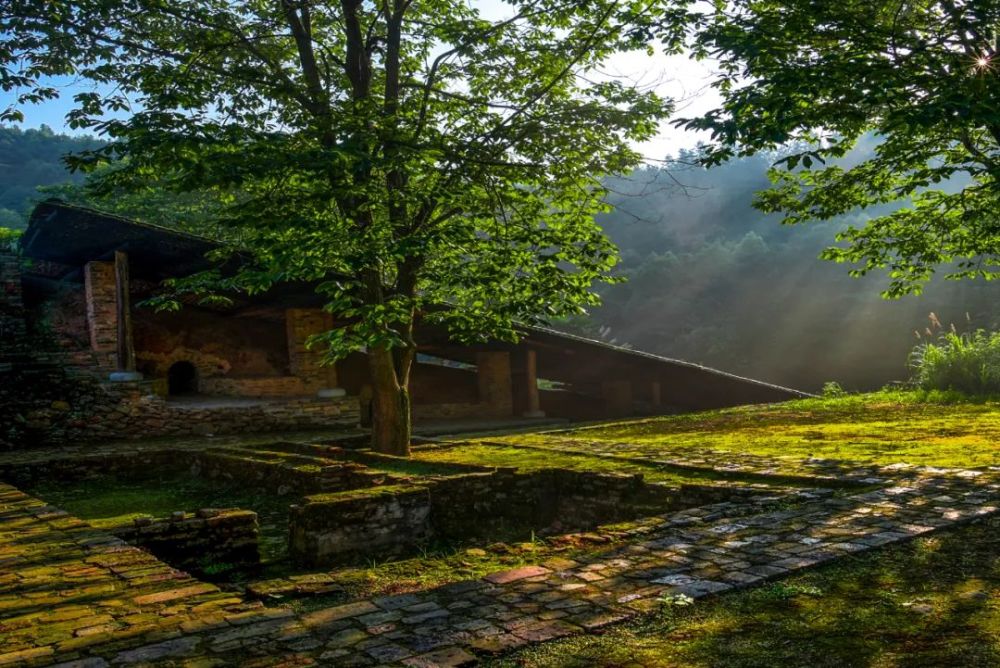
[(346, 505)]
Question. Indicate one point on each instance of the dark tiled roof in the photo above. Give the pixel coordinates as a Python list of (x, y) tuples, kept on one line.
[(74, 235)]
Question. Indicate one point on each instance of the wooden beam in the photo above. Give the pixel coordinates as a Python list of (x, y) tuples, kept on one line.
[(126, 349)]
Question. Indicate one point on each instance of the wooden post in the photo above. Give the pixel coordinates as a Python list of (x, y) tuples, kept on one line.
[(531, 384), (126, 350)]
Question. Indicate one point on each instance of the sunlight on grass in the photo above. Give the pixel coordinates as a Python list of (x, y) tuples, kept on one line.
[(882, 428), (932, 602)]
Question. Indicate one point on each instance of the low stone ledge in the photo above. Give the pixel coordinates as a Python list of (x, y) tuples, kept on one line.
[(198, 543)]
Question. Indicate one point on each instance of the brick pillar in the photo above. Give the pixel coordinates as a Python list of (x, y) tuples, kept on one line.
[(495, 388), (305, 362), (12, 324), (531, 385), (617, 397), (102, 311)]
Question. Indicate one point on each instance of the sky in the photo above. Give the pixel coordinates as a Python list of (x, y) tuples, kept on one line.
[(675, 77)]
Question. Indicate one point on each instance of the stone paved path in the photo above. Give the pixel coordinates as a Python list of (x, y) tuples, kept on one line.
[(68, 591)]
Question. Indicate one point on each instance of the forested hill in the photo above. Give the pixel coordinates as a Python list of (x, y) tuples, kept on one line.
[(29, 159), (711, 279)]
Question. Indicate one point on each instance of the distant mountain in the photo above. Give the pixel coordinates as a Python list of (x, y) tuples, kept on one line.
[(29, 159)]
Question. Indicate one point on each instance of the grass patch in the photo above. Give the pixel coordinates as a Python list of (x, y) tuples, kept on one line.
[(925, 428), (364, 493), (931, 602), (108, 501)]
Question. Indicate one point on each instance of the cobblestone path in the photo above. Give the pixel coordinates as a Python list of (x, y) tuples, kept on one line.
[(69, 593)]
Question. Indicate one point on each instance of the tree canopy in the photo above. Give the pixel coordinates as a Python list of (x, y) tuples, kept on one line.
[(29, 159), (920, 75), (414, 157)]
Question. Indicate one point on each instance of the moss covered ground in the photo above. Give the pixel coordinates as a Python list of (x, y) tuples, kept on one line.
[(880, 428), (509, 454), (931, 602), (107, 501)]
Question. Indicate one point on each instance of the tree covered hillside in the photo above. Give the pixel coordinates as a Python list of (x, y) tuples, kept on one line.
[(29, 159), (713, 280)]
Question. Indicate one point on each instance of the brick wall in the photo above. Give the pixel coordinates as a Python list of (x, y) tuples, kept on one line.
[(102, 316), (384, 521), (209, 540), (43, 405), (304, 361)]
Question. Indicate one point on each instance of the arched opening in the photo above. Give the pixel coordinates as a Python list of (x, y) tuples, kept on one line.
[(182, 378)]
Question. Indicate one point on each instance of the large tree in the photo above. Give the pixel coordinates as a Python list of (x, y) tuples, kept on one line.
[(922, 76), (414, 157)]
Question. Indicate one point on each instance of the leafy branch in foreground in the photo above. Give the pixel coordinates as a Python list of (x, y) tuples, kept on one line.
[(921, 76)]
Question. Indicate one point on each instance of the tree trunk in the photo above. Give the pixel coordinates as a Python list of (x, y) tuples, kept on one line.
[(391, 418)]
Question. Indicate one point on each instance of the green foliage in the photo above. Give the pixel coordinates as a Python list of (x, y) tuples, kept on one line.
[(784, 591), (29, 159), (401, 155), (964, 362), (832, 390), (819, 76), (150, 202), (8, 238), (710, 279), (411, 159)]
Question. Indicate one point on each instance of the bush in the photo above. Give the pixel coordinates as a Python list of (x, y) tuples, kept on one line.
[(833, 390), (8, 238), (967, 363)]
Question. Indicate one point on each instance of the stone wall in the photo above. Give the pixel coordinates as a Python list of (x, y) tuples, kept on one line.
[(382, 522), (551, 499), (209, 542), (283, 474), (46, 406), (339, 528), (275, 473), (81, 466), (12, 324)]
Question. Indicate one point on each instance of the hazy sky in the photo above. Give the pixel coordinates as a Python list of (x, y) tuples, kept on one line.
[(675, 77)]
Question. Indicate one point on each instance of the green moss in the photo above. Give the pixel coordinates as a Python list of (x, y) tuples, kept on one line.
[(363, 493), (109, 501), (402, 465), (442, 564), (930, 602), (881, 428), (534, 459)]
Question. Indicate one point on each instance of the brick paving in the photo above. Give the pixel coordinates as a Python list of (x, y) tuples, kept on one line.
[(70, 593)]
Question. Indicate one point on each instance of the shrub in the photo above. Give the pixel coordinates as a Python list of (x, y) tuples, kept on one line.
[(833, 390), (967, 363), (8, 238)]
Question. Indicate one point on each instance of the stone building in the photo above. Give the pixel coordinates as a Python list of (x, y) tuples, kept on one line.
[(80, 360)]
